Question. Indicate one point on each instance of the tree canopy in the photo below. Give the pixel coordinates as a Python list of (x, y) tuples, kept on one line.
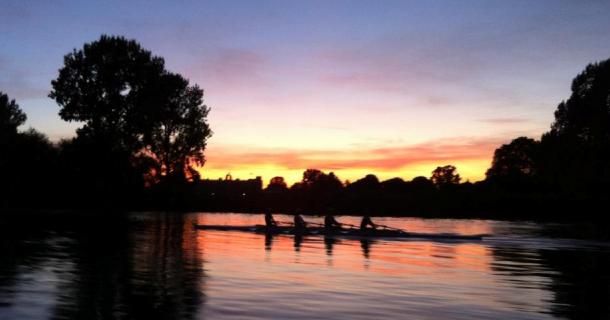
[(445, 176), (104, 85), (517, 159), (586, 114), (277, 184), (176, 129), (576, 151), (131, 105)]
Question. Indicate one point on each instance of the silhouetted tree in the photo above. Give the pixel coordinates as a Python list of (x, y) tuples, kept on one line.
[(394, 185), (369, 183), (277, 196), (176, 128), (320, 182), (104, 85), (445, 176), (11, 117), (311, 176), (131, 108), (420, 193), (585, 116), (317, 190), (364, 194), (421, 183), (576, 151), (27, 160), (516, 161), (277, 184)]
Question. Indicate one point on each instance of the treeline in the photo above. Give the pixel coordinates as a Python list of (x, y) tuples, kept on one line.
[(440, 195), (144, 130)]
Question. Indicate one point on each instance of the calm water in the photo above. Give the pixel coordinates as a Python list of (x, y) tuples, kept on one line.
[(155, 266)]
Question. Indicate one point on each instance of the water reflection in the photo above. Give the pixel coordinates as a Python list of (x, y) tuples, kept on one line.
[(365, 244), (329, 242), (105, 269), (150, 266), (581, 283), (298, 241), (578, 280), (268, 241)]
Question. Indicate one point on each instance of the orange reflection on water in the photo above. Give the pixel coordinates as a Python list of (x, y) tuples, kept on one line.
[(238, 252), (459, 226)]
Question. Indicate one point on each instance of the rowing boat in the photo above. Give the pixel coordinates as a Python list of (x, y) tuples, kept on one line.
[(377, 233)]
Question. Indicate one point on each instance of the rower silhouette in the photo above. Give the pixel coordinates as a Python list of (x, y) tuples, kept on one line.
[(299, 223), (330, 223), (269, 220), (365, 245), (366, 221), (298, 240), (329, 242)]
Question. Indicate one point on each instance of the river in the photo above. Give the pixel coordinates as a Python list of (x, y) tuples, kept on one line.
[(156, 266)]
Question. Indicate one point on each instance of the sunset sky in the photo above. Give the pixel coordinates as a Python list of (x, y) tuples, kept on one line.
[(394, 88)]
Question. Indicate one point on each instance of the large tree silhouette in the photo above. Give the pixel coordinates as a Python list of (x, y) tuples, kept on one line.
[(515, 161), (131, 106), (576, 151), (585, 116), (104, 85)]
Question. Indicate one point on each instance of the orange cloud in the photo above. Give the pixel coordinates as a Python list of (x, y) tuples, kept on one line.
[(472, 156)]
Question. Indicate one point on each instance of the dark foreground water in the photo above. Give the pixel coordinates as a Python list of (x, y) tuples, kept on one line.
[(155, 266)]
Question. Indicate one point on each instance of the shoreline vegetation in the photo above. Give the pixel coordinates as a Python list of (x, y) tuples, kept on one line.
[(144, 131)]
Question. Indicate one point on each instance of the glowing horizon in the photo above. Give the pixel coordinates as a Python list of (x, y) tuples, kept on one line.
[(406, 162)]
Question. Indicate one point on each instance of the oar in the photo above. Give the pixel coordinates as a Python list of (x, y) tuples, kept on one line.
[(390, 228), (350, 225), (292, 224), (323, 225)]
